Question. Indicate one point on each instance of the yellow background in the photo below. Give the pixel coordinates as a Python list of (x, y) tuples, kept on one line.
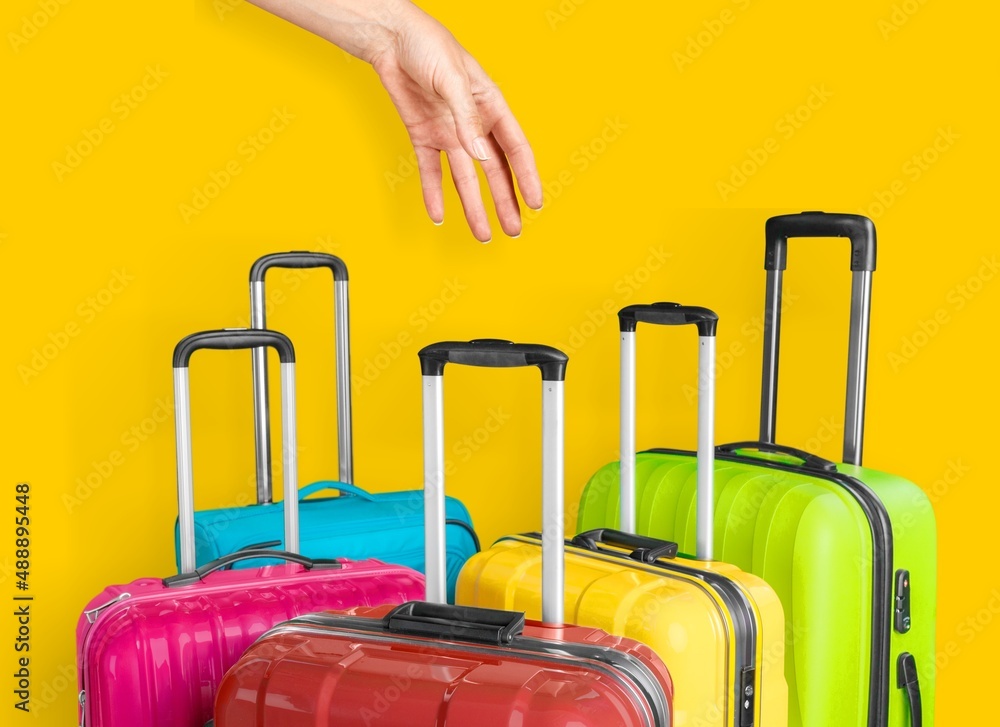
[(637, 112)]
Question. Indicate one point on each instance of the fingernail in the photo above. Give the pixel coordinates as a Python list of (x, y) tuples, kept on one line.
[(480, 148), (438, 223)]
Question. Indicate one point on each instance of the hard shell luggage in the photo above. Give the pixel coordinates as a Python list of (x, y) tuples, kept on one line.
[(850, 551), (450, 666), (357, 524), (152, 652), (719, 630)]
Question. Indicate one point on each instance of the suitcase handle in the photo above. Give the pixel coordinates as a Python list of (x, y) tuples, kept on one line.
[(671, 314), (494, 353), (343, 487), (231, 339), (266, 545), (441, 621), (861, 232), (223, 563), (908, 678), (668, 314), (645, 549), (298, 259), (809, 460)]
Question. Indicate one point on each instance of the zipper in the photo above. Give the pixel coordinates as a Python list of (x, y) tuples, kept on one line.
[(736, 602), (641, 682), (882, 560), (92, 614)]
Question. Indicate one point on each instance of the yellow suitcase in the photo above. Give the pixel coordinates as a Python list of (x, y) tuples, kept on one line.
[(719, 630)]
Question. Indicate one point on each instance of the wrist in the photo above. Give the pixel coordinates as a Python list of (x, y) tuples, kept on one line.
[(382, 22)]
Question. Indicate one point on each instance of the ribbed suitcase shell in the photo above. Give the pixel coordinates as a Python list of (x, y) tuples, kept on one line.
[(686, 623), (387, 526), (809, 538), (318, 671), (154, 656)]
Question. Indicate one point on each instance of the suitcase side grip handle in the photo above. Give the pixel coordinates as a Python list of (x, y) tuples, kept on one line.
[(809, 461), (186, 579), (494, 353), (668, 314), (907, 679), (645, 549), (860, 230), (458, 623)]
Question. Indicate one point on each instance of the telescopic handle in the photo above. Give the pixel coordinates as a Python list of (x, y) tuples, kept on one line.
[(495, 353), (228, 340), (671, 314), (861, 232), (299, 260)]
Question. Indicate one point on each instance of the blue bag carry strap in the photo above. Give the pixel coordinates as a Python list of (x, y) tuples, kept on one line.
[(342, 487)]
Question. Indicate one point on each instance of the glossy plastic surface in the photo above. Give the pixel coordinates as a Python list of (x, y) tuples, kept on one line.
[(303, 677), (811, 541), (387, 526), (685, 621), (156, 657)]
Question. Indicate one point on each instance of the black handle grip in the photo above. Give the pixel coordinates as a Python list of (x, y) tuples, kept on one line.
[(645, 549), (493, 353), (809, 460), (441, 621), (908, 678), (860, 230), (267, 544), (298, 260), (669, 314), (231, 339), (185, 579)]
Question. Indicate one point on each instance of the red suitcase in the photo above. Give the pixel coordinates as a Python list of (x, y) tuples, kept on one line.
[(152, 652), (452, 666)]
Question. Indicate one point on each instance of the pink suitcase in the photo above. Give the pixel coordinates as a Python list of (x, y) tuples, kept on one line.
[(153, 652)]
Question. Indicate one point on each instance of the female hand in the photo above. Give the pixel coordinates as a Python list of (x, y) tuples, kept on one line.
[(445, 99)]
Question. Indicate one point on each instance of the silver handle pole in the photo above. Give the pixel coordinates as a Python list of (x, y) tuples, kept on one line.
[(343, 344), (857, 366), (185, 467), (706, 447), (627, 429), (261, 405), (290, 457), (434, 501), (772, 336), (553, 526)]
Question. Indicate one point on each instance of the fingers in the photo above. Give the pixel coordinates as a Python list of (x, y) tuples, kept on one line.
[(457, 93), (511, 139), (429, 164), (502, 189), (463, 172)]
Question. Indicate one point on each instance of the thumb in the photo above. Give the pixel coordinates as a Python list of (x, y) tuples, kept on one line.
[(457, 93)]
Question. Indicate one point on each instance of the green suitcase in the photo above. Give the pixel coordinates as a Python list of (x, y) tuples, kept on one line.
[(850, 551)]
